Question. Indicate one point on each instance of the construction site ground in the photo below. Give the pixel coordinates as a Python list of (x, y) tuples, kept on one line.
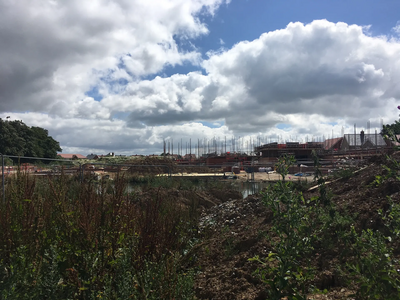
[(243, 176), (235, 232)]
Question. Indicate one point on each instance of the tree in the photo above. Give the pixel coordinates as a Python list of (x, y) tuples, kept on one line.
[(18, 139), (390, 129)]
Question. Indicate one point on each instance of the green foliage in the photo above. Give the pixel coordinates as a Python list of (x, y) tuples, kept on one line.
[(303, 228), (391, 170), (284, 163), (287, 270), (374, 267), (324, 196), (389, 131), (391, 218), (8, 161), (62, 239), (344, 173), (19, 139), (283, 271)]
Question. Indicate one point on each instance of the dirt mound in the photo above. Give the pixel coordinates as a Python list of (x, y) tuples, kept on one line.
[(235, 231)]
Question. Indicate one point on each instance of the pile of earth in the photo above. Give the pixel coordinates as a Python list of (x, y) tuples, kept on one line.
[(234, 232)]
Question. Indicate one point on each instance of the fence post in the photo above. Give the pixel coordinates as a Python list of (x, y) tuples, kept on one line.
[(2, 178)]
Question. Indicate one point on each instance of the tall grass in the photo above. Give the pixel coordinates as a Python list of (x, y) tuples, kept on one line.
[(63, 239)]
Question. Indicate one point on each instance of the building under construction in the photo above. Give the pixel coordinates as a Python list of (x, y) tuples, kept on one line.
[(349, 144), (248, 152)]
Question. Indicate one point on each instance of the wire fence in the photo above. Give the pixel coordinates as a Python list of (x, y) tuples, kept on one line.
[(3, 171), (74, 167)]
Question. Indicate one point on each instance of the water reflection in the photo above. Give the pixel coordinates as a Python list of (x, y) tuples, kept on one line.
[(250, 188), (247, 188)]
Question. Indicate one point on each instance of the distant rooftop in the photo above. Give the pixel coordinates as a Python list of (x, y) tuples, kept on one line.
[(72, 156)]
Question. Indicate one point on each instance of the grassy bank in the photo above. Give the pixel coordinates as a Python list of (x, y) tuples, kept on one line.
[(63, 239)]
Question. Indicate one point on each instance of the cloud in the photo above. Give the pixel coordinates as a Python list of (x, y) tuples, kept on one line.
[(314, 77), (87, 136), (55, 51), (396, 28), (332, 70)]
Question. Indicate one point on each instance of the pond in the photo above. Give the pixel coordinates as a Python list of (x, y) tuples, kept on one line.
[(248, 188)]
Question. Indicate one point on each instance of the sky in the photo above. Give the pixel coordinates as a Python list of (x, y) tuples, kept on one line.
[(124, 76)]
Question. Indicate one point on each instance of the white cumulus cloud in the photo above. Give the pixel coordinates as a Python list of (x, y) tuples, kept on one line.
[(302, 80)]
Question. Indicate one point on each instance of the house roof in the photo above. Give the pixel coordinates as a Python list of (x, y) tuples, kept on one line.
[(71, 156), (329, 143)]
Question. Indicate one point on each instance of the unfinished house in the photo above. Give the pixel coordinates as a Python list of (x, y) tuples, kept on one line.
[(334, 144), (271, 151), (364, 141)]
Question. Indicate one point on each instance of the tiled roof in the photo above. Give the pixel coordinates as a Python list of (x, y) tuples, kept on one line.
[(329, 143)]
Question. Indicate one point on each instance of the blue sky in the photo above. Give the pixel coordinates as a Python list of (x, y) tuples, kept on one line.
[(242, 20), (248, 19), (123, 77)]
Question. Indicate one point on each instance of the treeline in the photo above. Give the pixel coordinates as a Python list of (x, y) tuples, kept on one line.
[(16, 138)]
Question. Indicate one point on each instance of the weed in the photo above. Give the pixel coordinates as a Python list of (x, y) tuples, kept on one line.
[(374, 267), (324, 197), (283, 270), (63, 239), (229, 247), (391, 170), (344, 173), (391, 218), (283, 165)]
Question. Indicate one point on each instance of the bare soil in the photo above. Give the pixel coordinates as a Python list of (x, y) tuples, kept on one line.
[(234, 231)]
